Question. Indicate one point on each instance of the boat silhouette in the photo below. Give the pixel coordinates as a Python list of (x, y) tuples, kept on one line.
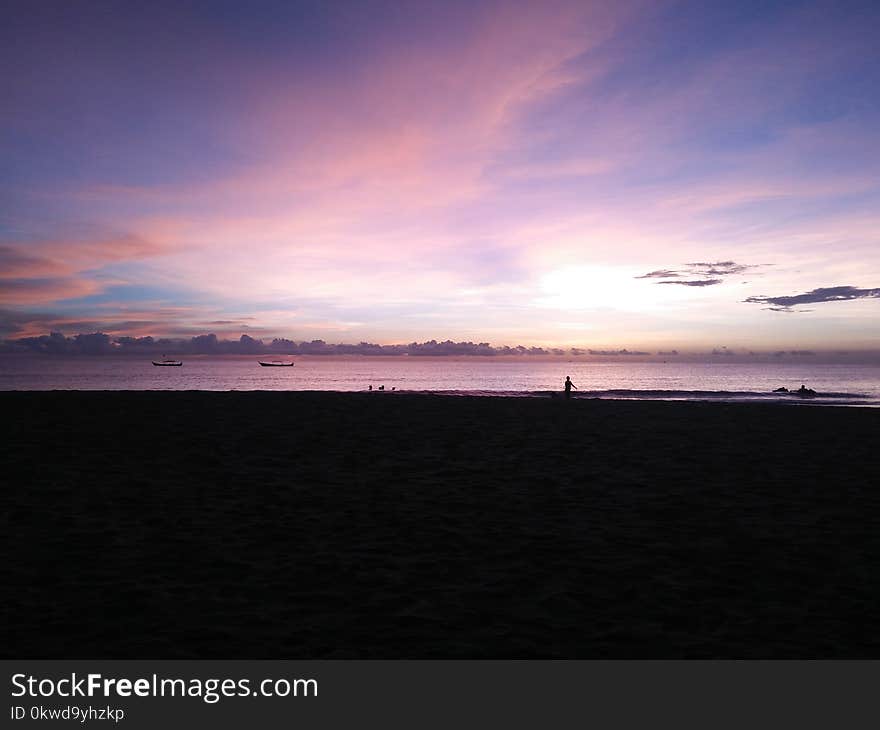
[(276, 364), (168, 364)]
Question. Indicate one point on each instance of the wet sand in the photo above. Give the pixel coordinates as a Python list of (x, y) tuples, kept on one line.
[(390, 525)]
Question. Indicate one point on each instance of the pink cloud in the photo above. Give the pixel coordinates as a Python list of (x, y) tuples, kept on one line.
[(46, 271), (16, 262), (39, 291)]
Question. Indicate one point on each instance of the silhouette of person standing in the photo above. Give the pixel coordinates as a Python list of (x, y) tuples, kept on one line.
[(568, 386)]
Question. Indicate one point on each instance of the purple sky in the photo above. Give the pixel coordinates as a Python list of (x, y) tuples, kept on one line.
[(627, 174)]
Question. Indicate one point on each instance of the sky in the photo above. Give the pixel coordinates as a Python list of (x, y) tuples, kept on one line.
[(630, 174)]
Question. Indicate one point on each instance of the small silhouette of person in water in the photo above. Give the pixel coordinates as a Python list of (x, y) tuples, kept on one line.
[(370, 388), (568, 386)]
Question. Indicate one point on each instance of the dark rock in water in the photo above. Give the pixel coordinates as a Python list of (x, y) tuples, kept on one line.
[(781, 390)]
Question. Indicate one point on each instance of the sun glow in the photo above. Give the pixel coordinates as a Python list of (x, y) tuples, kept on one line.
[(602, 287)]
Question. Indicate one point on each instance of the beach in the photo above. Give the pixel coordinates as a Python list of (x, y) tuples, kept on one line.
[(392, 525)]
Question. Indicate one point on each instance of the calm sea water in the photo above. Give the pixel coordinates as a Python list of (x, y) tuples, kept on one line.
[(843, 384)]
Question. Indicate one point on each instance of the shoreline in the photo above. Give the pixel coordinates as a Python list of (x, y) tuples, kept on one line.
[(194, 524), (836, 399)]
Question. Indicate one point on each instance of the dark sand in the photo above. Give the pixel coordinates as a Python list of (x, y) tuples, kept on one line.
[(312, 525)]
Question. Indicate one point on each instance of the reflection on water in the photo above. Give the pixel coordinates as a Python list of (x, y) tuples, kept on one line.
[(840, 383)]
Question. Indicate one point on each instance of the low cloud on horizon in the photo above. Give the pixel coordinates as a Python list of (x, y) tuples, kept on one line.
[(99, 343)]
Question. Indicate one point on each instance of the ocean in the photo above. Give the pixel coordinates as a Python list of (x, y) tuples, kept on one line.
[(841, 384)]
